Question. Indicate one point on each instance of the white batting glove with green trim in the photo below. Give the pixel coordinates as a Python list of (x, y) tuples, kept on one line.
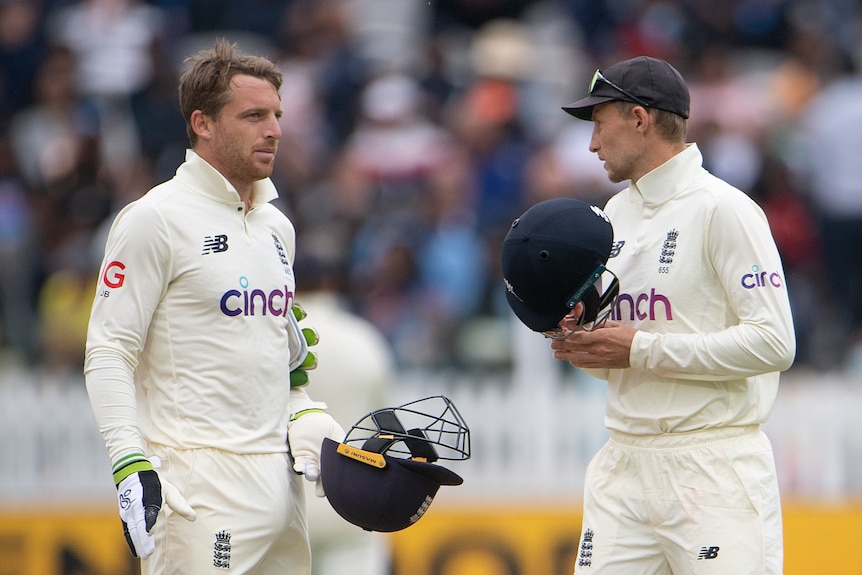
[(139, 497)]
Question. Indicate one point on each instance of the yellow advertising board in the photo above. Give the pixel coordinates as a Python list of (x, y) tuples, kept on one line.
[(447, 541), (83, 542)]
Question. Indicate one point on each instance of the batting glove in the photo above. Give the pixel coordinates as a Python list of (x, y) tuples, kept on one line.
[(305, 433), (309, 337), (139, 496)]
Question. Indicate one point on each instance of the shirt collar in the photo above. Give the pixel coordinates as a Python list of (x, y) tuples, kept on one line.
[(669, 178), (198, 174)]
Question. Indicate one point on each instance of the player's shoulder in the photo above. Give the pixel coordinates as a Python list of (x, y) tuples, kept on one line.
[(723, 193), (725, 202), (147, 211), (276, 218)]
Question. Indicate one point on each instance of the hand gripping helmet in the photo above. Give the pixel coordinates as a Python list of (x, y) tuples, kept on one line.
[(383, 476), (553, 257)]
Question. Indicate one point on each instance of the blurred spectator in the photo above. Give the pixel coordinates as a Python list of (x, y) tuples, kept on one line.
[(794, 227), (323, 79), (22, 47), (114, 42), (565, 167), (484, 120), (56, 146), (392, 150), (473, 14), (87, 96), (452, 263), (318, 33), (18, 259), (261, 17), (829, 140), (161, 135)]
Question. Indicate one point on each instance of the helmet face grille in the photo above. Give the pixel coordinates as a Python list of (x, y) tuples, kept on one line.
[(428, 429), (407, 440)]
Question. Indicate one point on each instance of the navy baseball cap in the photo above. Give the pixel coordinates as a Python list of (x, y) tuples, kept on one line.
[(551, 258), (643, 80)]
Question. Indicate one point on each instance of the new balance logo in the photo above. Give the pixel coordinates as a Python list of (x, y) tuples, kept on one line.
[(214, 244), (707, 553)]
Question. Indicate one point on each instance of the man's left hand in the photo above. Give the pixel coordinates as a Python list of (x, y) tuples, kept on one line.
[(607, 347), (305, 434)]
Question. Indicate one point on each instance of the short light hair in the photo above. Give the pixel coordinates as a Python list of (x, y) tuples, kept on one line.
[(205, 86), (670, 126)]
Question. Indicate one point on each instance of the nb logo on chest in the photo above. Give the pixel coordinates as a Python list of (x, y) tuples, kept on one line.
[(214, 244)]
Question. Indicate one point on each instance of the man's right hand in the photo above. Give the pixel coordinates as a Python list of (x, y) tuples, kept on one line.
[(139, 497)]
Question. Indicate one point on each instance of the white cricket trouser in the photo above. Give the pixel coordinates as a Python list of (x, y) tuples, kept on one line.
[(699, 503), (250, 516)]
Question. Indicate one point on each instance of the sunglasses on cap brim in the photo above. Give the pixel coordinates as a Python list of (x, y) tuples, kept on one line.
[(599, 77)]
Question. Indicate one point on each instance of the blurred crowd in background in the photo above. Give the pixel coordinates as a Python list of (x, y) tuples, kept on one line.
[(414, 132)]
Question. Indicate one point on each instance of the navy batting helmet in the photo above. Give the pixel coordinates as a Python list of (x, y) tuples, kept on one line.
[(553, 257), (383, 476)]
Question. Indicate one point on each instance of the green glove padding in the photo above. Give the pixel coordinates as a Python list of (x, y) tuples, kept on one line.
[(299, 376)]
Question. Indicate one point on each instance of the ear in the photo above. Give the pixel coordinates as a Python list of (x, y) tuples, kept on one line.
[(642, 117), (201, 125)]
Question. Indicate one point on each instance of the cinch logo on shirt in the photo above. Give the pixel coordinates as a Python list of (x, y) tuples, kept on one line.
[(642, 306), (249, 302), (758, 278)]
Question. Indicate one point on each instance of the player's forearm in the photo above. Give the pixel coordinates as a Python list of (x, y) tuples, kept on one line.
[(744, 350), (111, 388)]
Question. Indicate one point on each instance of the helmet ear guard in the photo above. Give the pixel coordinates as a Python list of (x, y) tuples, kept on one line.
[(383, 476)]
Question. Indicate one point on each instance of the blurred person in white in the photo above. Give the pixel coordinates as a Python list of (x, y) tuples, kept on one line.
[(354, 376), (392, 150), (193, 339), (114, 42), (56, 138)]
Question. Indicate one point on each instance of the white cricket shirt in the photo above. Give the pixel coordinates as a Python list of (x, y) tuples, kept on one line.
[(188, 340), (702, 281)]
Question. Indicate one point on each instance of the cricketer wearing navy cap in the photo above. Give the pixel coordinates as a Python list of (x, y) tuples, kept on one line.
[(643, 80), (686, 481), (552, 259)]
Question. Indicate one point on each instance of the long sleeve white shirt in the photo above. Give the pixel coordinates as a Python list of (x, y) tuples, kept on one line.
[(188, 343), (702, 281)]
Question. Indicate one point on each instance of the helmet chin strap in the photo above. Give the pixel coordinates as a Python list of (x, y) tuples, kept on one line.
[(391, 431), (591, 303)]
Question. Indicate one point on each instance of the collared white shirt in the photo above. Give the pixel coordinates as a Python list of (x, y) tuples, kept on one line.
[(188, 340), (702, 281)]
